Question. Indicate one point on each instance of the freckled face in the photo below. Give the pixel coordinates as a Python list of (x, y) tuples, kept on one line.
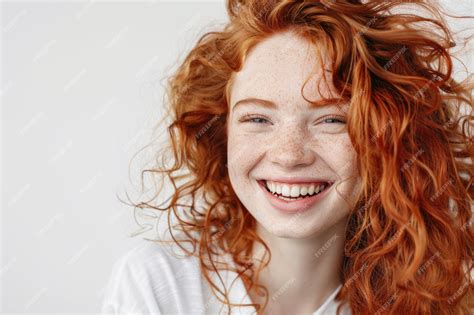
[(290, 139)]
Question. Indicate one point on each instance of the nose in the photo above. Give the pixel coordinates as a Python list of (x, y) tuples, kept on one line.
[(290, 148)]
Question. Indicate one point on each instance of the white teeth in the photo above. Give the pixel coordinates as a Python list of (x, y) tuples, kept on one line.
[(304, 191), (294, 190), (316, 189)]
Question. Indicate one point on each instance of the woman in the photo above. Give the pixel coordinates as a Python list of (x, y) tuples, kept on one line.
[(324, 152)]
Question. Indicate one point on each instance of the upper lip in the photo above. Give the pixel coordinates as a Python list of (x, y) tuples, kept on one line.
[(296, 179)]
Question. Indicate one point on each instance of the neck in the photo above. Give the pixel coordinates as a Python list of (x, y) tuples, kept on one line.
[(301, 272)]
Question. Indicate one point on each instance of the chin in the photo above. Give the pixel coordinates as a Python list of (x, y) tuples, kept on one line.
[(293, 231)]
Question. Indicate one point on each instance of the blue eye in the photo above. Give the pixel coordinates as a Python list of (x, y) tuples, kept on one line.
[(254, 119), (333, 119)]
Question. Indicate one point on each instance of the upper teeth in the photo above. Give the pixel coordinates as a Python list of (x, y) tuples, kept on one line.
[(294, 190)]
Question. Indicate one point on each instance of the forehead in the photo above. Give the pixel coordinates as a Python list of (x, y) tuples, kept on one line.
[(278, 67)]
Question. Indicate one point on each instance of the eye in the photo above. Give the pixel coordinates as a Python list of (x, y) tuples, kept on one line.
[(331, 124), (253, 119), (334, 119)]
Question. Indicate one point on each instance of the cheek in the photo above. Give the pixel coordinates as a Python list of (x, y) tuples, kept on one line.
[(242, 154), (342, 159), (337, 151)]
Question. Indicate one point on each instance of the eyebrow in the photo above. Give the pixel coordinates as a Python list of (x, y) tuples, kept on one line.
[(272, 105), (252, 100)]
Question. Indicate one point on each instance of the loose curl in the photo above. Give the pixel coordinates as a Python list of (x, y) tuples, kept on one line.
[(409, 243)]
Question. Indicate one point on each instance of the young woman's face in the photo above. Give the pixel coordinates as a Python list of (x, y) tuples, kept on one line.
[(274, 134)]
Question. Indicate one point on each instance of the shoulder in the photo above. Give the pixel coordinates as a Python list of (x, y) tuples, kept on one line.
[(331, 304), (150, 256), (332, 308), (148, 278)]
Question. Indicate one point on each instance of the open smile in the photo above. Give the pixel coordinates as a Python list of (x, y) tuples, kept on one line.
[(293, 198)]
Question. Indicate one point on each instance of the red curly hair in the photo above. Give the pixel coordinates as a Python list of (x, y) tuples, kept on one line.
[(409, 243)]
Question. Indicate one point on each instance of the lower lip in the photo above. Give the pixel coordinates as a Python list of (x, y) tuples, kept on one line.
[(293, 205)]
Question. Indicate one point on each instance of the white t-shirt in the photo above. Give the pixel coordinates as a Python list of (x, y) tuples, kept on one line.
[(150, 279)]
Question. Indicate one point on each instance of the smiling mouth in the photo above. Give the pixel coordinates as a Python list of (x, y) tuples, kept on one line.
[(302, 195)]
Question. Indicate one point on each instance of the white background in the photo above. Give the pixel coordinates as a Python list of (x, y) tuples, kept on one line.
[(81, 88)]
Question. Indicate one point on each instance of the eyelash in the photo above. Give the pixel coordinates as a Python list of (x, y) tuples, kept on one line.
[(249, 118), (335, 118)]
